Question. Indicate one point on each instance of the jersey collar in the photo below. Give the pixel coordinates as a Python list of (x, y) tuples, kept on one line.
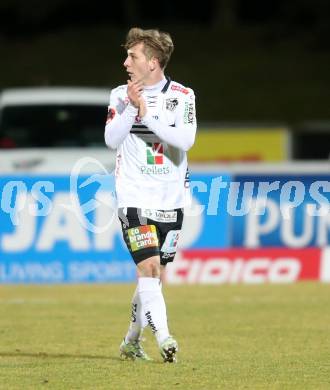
[(163, 84)]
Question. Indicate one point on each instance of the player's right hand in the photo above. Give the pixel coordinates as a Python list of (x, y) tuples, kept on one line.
[(134, 92)]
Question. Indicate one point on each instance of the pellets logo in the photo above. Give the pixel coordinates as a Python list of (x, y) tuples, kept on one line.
[(155, 153), (142, 237)]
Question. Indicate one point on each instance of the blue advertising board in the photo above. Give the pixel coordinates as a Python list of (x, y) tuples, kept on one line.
[(281, 211), (58, 229)]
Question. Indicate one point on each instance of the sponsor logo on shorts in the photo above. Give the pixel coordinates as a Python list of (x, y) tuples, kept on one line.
[(142, 237), (171, 241), (160, 216), (167, 256)]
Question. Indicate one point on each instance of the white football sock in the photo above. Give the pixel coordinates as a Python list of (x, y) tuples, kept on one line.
[(154, 307), (138, 319)]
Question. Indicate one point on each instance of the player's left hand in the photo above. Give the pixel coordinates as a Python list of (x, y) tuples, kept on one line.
[(134, 91), (142, 107)]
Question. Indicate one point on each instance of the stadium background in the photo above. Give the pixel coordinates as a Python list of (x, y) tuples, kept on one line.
[(252, 61), (260, 71)]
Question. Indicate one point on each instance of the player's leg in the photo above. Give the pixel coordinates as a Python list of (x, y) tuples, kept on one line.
[(169, 235), (169, 347), (152, 299), (131, 346), (136, 324), (138, 319), (144, 243)]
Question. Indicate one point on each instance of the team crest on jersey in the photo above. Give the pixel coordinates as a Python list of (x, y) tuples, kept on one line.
[(171, 104)]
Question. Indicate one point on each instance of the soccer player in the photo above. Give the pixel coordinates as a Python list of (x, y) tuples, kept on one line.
[(152, 123)]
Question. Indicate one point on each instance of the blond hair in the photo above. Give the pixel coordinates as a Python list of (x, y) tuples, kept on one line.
[(157, 44)]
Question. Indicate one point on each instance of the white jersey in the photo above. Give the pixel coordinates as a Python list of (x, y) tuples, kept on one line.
[(151, 167)]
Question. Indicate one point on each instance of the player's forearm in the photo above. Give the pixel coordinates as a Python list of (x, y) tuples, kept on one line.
[(117, 129), (182, 137)]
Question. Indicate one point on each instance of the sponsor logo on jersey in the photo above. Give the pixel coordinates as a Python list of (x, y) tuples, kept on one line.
[(155, 153), (188, 116), (180, 89), (171, 104), (142, 237), (187, 179), (111, 114), (154, 170)]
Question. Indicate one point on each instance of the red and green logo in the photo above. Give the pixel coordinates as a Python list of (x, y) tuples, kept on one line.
[(155, 153)]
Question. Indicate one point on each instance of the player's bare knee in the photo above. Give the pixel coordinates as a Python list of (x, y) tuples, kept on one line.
[(149, 267)]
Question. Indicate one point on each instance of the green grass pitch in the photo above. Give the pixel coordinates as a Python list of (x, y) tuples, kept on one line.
[(230, 337)]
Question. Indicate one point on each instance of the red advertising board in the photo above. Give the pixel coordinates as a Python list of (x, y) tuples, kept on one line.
[(252, 266)]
